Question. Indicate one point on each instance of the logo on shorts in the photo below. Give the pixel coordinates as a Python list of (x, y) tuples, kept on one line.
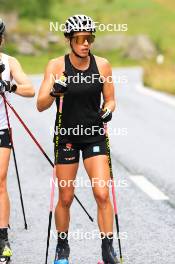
[(68, 145), (96, 149), (71, 158)]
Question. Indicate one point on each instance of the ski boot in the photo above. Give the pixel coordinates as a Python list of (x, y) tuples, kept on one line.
[(5, 250), (108, 254), (62, 253)]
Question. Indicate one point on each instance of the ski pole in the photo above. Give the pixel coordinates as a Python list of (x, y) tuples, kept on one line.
[(51, 212), (113, 193), (54, 173), (42, 150)]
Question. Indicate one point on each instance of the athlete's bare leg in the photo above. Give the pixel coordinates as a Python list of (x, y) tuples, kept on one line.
[(4, 198), (98, 170), (65, 173)]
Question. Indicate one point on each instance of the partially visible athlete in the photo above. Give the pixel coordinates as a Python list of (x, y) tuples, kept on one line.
[(10, 70)]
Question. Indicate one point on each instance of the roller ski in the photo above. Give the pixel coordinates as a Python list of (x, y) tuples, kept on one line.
[(5, 250), (62, 253), (5, 260), (108, 254)]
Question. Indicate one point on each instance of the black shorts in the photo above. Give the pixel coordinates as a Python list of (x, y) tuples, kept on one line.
[(5, 139), (69, 153)]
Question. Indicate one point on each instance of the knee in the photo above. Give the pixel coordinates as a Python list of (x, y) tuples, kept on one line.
[(3, 184), (66, 199), (102, 198)]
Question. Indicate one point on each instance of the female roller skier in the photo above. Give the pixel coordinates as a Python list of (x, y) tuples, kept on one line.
[(81, 108), (10, 69)]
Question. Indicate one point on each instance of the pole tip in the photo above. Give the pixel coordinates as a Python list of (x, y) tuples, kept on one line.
[(92, 220), (121, 260)]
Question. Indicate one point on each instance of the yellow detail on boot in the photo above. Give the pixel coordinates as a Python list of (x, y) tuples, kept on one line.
[(7, 252)]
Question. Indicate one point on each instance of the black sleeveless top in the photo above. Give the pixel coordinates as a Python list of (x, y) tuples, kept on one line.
[(81, 105)]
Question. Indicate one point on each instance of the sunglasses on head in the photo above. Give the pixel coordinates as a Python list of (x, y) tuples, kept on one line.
[(80, 39)]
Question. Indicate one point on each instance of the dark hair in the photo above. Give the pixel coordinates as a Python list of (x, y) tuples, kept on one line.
[(69, 35)]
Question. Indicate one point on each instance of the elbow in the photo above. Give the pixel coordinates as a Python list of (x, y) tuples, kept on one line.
[(30, 90), (39, 107), (32, 93)]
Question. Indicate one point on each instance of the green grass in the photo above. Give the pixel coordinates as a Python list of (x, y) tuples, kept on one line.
[(142, 16), (161, 77), (36, 64)]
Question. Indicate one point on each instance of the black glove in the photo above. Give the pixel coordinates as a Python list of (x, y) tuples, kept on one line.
[(2, 67), (5, 86), (105, 115), (60, 86)]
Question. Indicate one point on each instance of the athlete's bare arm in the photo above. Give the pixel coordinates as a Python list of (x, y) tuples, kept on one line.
[(53, 71), (24, 86), (105, 70)]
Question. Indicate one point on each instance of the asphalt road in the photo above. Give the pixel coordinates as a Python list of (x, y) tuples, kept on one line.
[(144, 145)]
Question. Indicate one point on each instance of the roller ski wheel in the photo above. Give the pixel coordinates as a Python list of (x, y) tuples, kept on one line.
[(101, 262), (61, 261), (4, 260), (104, 262)]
